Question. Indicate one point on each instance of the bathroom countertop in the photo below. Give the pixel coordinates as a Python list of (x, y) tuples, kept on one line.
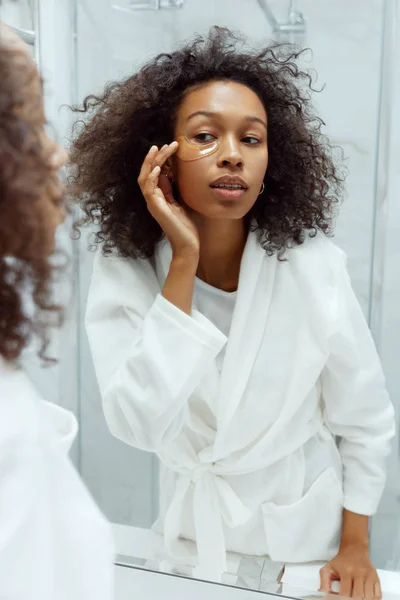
[(137, 543), (135, 584)]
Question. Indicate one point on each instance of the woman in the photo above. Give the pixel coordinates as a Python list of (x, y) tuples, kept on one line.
[(224, 331), (54, 542)]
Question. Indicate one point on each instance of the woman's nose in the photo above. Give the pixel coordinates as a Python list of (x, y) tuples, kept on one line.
[(230, 153)]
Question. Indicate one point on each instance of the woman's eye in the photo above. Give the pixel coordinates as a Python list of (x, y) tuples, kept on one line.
[(249, 139), (204, 138)]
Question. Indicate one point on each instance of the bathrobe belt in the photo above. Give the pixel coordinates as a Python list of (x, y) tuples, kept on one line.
[(214, 502)]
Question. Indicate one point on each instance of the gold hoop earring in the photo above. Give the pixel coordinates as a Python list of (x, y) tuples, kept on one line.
[(262, 188)]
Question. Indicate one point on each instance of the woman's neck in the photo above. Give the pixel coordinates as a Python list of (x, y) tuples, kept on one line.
[(221, 249)]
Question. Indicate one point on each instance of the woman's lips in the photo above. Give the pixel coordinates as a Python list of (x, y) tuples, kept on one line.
[(228, 194)]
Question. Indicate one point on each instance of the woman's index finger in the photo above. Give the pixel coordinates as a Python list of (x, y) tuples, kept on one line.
[(148, 163)]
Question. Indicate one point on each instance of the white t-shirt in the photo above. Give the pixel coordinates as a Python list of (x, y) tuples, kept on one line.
[(217, 306)]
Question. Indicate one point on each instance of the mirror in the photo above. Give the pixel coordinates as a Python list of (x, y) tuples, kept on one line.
[(128, 483), (246, 493)]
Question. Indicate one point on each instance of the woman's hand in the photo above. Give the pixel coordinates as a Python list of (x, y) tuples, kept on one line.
[(171, 216), (357, 575)]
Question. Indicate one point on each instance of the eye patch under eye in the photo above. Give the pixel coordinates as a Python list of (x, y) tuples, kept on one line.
[(192, 150)]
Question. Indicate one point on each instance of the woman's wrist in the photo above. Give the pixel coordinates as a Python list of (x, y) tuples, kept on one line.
[(179, 284), (186, 261), (355, 531)]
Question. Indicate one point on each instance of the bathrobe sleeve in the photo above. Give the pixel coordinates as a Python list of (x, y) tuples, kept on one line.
[(149, 356), (356, 404)]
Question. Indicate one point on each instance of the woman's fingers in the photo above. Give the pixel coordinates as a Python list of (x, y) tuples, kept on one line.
[(359, 588), (346, 585), (327, 575), (151, 183), (154, 158), (369, 592), (147, 166), (165, 152), (377, 591)]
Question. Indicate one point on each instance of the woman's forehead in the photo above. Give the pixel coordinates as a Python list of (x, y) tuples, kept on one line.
[(221, 97)]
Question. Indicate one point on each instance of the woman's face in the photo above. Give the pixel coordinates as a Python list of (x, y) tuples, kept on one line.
[(229, 119), (31, 112)]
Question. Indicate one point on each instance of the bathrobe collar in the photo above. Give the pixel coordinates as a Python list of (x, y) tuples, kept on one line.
[(256, 283)]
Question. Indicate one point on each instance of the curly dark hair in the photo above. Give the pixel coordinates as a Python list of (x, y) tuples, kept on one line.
[(303, 182), (26, 272)]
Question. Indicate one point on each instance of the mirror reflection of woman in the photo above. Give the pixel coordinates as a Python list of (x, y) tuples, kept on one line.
[(225, 334), (54, 542)]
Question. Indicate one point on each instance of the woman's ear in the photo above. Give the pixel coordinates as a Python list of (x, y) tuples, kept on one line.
[(169, 168)]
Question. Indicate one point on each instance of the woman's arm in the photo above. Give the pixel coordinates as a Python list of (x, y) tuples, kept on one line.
[(358, 409), (352, 566), (356, 405), (149, 354), (355, 530), (179, 284)]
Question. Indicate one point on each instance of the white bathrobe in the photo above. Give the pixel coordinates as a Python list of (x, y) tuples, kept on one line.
[(54, 542), (249, 457)]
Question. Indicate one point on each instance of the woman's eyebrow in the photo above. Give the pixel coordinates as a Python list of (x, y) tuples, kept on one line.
[(210, 114)]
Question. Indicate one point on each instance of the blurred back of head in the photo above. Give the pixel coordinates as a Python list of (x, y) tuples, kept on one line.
[(31, 196)]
